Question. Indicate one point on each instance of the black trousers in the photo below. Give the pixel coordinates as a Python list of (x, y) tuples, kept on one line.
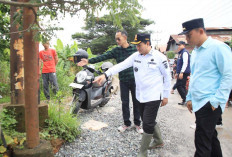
[(174, 86), (148, 112), (125, 88), (181, 86), (206, 141)]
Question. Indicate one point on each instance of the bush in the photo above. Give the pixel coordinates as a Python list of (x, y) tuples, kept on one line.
[(170, 54), (4, 78), (7, 119), (65, 69), (4, 88), (61, 124)]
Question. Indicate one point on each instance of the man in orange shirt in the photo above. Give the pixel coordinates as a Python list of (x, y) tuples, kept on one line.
[(49, 58)]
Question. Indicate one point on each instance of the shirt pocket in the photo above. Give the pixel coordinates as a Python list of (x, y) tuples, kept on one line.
[(152, 67)]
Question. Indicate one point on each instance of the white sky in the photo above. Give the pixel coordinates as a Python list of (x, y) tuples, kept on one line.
[(168, 16)]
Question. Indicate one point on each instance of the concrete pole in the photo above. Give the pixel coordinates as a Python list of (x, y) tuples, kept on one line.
[(16, 62), (31, 81)]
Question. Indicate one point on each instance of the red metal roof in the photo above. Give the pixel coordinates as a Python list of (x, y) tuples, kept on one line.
[(222, 38), (162, 48), (178, 38), (218, 28)]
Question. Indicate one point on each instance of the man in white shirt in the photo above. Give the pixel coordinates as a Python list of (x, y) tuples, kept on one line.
[(182, 71), (153, 80)]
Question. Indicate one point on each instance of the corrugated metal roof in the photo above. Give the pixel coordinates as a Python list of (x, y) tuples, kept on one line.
[(179, 38), (222, 38), (218, 28)]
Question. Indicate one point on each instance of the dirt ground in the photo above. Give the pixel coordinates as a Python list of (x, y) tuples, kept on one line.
[(224, 133)]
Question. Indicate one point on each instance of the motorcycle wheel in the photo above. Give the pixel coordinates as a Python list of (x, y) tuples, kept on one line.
[(105, 99), (75, 105)]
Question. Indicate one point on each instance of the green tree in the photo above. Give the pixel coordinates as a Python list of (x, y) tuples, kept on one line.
[(229, 43), (4, 49), (100, 33), (55, 8), (4, 29)]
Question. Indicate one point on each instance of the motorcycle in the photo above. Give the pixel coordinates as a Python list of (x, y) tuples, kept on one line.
[(86, 94)]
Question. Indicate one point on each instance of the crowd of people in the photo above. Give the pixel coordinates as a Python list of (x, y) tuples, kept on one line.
[(145, 73)]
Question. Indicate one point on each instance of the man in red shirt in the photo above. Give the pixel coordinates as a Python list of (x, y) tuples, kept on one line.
[(49, 58)]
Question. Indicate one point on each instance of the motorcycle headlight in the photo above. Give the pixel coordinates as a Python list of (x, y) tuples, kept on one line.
[(81, 76)]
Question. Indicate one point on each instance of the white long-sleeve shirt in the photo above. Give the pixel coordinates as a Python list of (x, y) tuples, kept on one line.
[(152, 75), (185, 62)]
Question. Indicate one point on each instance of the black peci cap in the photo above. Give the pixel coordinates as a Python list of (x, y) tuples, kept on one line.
[(192, 24), (140, 38)]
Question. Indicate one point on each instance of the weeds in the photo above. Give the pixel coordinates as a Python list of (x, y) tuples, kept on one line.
[(61, 124)]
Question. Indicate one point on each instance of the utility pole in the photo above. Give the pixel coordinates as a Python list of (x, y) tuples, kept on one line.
[(16, 62), (24, 84), (31, 78), (157, 39)]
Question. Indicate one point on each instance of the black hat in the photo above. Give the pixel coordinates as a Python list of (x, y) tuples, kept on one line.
[(140, 38), (192, 24), (181, 43)]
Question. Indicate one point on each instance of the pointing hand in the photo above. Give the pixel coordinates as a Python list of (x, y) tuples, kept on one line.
[(100, 79), (83, 62)]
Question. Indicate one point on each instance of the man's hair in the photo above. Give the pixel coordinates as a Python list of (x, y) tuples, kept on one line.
[(123, 32), (45, 41), (201, 28)]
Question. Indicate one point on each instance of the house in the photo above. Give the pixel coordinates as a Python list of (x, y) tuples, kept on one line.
[(223, 34), (161, 48)]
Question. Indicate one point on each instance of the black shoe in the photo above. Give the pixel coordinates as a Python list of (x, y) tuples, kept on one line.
[(181, 103)]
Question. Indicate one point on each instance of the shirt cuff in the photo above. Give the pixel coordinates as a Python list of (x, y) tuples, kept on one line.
[(165, 93), (107, 73), (188, 97)]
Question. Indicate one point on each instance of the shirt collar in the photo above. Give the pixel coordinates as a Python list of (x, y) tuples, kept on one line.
[(130, 45), (205, 44), (151, 51), (181, 50)]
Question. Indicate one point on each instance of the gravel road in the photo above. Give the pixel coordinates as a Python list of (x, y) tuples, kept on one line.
[(174, 121), (108, 142)]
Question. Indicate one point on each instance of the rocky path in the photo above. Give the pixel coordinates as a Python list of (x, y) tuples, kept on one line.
[(100, 137)]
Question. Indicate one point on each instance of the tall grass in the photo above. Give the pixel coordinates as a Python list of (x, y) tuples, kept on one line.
[(62, 124)]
